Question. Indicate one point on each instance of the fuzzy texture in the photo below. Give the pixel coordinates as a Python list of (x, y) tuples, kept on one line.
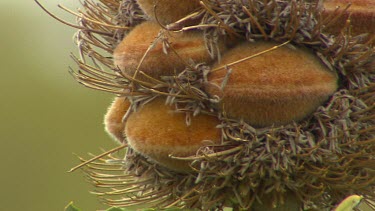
[(168, 11), (274, 88), (113, 119), (361, 14), (182, 48), (157, 131)]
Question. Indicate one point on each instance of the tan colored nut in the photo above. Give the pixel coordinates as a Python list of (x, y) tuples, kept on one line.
[(275, 88), (187, 45), (156, 131), (114, 116), (168, 11)]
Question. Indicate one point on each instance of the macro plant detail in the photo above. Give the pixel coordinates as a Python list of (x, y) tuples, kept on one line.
[(253, 105)]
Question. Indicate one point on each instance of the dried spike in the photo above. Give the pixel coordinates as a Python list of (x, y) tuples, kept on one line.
[(93, 21), (97, 157), (66, 23)]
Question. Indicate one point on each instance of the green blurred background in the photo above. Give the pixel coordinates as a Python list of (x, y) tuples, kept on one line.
[(46, 115)]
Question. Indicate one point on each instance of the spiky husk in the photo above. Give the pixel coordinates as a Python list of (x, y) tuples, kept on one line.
[(321, 160)]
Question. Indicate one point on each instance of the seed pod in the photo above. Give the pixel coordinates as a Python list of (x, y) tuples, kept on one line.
[(156, 131), (156, 63), (361, 14), (168, 11), (113, 119), (273, 88)]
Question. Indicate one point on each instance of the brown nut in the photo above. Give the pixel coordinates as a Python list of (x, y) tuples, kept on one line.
[(168, 11), (361, 13), (156, 131), (113, 119), (274, 88), (188, 45)]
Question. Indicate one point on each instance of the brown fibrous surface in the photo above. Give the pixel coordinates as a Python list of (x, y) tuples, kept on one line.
[(157, 131), (274, 88), (168, 11), (360, 13), (148, 52), (114, 118)]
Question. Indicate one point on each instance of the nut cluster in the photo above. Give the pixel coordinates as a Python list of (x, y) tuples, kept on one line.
[(273, 88), (253, 104)]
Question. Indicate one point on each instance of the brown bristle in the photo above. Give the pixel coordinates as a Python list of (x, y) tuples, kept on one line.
[(273, 202), (361, 14), (113, 119), (274, 88), (168, 11), (142, 48), (157, 131)]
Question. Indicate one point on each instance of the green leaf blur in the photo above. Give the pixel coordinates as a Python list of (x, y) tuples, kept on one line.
[(71, 207)]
